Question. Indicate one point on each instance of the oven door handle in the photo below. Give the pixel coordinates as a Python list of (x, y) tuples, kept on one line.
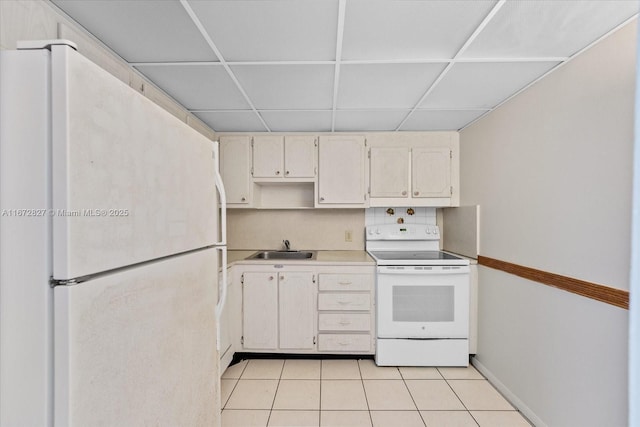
[(425, 271)]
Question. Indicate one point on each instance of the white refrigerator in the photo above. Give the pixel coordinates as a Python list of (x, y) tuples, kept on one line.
[(111, 240)]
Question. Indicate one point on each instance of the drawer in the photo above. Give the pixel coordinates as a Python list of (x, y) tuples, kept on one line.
[(345, 301), (344, 322), (345, 282), (344, 342)]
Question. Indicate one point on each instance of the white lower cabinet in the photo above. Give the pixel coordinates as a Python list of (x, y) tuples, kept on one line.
[(278, 310), (308, 309), (339, 343), (344, 301), (346, 322), (260, 310), (296, 296)]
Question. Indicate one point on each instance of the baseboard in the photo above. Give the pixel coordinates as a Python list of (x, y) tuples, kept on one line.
[(512, 398)]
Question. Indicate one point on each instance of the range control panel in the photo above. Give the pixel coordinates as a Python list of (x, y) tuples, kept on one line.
[(403, 232)]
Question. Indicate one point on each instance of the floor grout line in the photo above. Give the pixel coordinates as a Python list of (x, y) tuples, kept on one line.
[(412, 398), (320, 402), (364, 390), (276, 393)]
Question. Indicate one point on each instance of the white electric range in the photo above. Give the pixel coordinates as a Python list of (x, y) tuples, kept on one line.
[(422, 297)]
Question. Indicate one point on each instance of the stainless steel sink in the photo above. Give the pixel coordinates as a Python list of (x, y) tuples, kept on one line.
[(284, 255)]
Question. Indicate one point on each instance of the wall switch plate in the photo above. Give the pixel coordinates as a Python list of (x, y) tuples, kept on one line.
[(348, 236)]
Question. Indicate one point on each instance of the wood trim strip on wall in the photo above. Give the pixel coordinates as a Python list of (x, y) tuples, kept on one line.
[(609, 295)]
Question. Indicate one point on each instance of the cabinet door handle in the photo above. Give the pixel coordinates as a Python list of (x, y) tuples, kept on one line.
[(322, 199), (277, 172), (415, 193), (281, 277), (243, 199), (286, 173), (270, 277), (404, 193)]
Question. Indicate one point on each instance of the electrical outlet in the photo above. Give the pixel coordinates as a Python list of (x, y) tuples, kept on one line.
[(348, 236)]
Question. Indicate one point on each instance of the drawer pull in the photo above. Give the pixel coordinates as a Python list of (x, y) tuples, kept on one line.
[(343, 302), (345, 283), (344, 322), (342, 343)]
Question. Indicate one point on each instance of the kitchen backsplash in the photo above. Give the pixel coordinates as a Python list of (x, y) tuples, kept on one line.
[(400, 216), (314, 229)]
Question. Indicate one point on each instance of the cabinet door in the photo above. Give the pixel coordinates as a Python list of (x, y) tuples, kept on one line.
[(268, 156), (260, 311), (297, 310), (300, 156), (389, 172), (431, 172), (235, 168), (341, 170)]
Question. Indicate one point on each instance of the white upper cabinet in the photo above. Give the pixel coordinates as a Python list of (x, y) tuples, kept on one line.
[(300, 171), (389, 172), (300, 156), (284, 156), (431, 172), (235, 168), (341, 171), (268, 156), (414, 169)]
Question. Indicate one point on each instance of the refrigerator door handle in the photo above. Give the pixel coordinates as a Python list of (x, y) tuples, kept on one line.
[(223, 295), (223, 195)]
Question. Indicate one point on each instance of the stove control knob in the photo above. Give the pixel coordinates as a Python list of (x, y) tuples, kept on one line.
[(378, 231), (428, 230)]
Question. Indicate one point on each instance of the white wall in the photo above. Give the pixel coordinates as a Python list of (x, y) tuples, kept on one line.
[(552, 172)]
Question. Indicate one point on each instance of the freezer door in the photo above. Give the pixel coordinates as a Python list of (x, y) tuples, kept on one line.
[(138, 347), (131, 182)]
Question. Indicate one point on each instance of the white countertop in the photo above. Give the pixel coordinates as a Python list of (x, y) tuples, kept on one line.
[(322, 257)]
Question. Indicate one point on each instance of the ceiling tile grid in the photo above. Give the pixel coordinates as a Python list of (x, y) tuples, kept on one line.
[(346, 65)]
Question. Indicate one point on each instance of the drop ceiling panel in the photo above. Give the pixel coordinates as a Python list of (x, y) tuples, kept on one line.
[(355, 120), (364, 86), (483, 85), (285, 87), (298, 121), (548, 28), (197, 87), (382, 29), (390, 55), (271, 30), (141, 30), (440, 119), (232, 121)]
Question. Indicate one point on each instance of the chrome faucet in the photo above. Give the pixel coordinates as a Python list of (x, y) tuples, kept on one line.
[(287, 245)]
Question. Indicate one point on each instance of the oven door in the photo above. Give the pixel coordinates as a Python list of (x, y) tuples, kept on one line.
[(423, 302)]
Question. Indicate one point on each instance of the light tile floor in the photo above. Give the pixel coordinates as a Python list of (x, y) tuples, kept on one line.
[(354, 393)]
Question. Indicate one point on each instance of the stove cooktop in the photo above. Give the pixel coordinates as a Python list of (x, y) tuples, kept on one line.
[(417, 258)]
